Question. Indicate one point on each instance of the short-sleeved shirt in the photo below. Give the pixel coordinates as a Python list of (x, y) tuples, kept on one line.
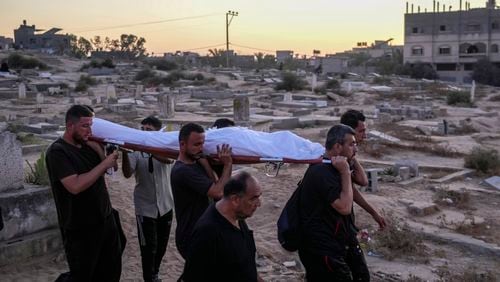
[(219, 251), (87, 208), (152, 193), (326, 231), (190, 185)]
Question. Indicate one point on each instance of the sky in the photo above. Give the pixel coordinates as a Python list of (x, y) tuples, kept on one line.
[(261, 26)]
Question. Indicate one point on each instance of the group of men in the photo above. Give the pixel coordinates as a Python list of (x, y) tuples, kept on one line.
[(210, 206)]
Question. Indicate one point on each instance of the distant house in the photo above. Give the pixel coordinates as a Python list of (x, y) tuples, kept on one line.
[(183, 58), (380, 48), (453, 41), (6, 43), (25, 37), (283, 55)]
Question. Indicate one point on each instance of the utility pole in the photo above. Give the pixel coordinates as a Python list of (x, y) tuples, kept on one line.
[(228, 22)]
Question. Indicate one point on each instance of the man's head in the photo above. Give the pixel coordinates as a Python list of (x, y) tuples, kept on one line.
[(223, 122), (356, 120), (191, 140), (243, 193), (79, 123), (340, 141), (150, 123)]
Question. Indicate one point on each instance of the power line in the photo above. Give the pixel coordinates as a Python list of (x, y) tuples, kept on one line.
[(146, 23), (206, 47), (253, 48)]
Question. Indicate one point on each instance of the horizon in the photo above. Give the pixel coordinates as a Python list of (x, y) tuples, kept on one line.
[(170, 26)]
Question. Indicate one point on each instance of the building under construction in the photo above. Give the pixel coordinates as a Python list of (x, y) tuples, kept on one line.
[(452, 41)]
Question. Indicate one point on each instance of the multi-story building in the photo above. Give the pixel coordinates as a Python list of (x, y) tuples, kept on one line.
[(452, 41), (26, 38), (6, 43)]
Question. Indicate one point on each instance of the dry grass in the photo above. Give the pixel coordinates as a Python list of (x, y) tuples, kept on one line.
[(397, 240), (460, 199), (470, 274)]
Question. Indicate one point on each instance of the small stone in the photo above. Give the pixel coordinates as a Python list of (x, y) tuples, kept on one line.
[(448, 201), (277, 206), (290, 263)]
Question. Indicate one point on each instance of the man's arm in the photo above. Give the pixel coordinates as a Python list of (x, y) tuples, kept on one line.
[(78, 183), (126, 168), (360, 200), (208, 169), (344, 203), (216, 190), (359, 175)]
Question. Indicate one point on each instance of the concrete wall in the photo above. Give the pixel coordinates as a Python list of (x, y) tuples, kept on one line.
[(27, 211)]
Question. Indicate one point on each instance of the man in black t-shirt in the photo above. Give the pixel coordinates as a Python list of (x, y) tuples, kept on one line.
[(330, 250), (193, 181), (222, 248), (76, 167)]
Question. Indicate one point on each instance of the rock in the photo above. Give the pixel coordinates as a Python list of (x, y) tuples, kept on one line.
[(290, 263), (422, 208)]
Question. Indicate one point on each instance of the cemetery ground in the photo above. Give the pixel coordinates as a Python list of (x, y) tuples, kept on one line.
[(443, 221)]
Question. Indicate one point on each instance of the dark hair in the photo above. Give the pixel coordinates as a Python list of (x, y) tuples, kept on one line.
[(152, 120), (237, 185), (187, 129), (352, 117), (77, 111), (337, 134), (223, 122)]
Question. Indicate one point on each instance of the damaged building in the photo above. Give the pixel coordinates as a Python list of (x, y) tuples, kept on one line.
[(452, 41)]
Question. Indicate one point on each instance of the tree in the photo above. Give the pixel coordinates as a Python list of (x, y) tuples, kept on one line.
[(216, 57), (265, 61), (79, 47), (485, 72), (98, 44)]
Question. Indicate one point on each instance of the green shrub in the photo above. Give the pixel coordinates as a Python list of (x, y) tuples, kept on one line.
[(38, 173), (162, 64), (291, 82), (17, 61), (84, 82), (483, 159), (143, 74), (461, 98), (332, 84)]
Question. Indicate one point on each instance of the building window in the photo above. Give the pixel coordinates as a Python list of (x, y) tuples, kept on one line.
[(442, 28), (417, 51), (495, 25), (444, 50), (494, 48), (416, 30)]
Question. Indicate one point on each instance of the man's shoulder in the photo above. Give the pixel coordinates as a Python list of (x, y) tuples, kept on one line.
[(58, 145)]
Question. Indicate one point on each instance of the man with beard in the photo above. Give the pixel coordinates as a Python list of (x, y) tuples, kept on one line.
[(222, 247), (89, 230), (356, 120), (329, 250), (194, 183)]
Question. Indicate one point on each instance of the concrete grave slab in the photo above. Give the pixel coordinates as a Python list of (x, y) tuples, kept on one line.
[(11, 162)]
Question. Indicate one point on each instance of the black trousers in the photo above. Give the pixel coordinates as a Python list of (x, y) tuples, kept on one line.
[(153, 236), (94, 254), (349, 267)]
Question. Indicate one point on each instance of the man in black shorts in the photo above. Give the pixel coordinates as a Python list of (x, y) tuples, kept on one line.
[(194, 183), (76, 169), (222, 248), (330, 250)]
